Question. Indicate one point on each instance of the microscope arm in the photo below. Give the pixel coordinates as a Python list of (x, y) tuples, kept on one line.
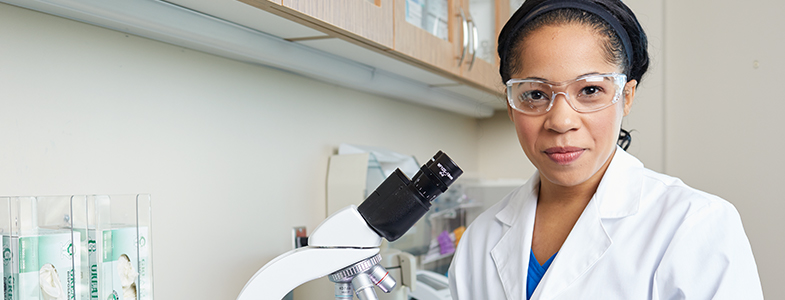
[(290, 270), (339, 241)]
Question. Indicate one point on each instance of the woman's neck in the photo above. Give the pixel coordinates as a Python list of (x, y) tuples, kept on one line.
[(553, 194), (558, 209), (577, 195)]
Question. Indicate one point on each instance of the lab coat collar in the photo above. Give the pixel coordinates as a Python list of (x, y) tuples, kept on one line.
[(528, 192), (618, 195), (511, 253), (585, 245)]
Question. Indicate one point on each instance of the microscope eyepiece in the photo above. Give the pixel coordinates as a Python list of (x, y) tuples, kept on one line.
[(398, 202), (435, 176)]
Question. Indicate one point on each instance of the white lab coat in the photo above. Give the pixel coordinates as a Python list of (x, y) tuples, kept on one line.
[(643, 235)]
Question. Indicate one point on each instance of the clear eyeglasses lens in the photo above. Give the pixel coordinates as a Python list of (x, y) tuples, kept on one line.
[(585, 94)]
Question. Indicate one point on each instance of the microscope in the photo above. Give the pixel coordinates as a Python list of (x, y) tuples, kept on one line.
[(345, 246)]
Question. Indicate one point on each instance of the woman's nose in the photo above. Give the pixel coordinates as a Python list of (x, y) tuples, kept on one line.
[(562, 117)]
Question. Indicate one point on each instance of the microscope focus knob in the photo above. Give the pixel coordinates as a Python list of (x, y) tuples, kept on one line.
[(346, 274), (361, 277)]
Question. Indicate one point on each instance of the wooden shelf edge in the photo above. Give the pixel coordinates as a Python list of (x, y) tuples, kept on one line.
[(337, 32), (325, 27)]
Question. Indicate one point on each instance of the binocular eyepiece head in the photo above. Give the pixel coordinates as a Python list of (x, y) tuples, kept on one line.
[(399, 202)]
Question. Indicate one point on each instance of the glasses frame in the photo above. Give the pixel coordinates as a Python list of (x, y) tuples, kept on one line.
[(620, 80)]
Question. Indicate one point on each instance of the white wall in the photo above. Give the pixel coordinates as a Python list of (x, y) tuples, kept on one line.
[(500, 153), (233, 154), (646, 120), (724, 114)]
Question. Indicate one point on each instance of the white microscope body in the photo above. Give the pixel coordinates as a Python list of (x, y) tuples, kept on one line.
[(345, 246), (339, 241)]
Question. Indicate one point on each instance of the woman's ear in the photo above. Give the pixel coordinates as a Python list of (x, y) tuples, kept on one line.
[(509, 108), (509, 112), (629, 95)]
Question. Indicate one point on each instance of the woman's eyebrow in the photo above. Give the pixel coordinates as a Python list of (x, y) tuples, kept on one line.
[(547, 80), (536, 78), (588, 74)]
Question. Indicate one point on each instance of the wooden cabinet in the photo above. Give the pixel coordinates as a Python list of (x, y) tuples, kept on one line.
[(487, 17), (453, 38), (359, 21), (434, 48), (364, 20), (469, 49)]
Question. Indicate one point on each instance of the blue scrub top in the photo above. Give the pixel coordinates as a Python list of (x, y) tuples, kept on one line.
[(536, 272)]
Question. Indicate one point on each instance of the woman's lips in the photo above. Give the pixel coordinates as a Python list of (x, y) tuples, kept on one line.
[(564, 155)]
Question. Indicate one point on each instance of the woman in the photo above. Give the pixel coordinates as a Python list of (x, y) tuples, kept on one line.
[(592, 222)]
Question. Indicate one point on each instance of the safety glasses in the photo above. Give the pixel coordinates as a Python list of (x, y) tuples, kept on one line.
[(587, 93)]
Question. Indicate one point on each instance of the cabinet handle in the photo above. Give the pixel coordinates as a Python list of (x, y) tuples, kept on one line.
[(475, 43), (465, 39)]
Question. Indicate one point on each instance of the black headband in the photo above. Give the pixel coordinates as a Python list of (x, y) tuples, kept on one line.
[(520, 20)]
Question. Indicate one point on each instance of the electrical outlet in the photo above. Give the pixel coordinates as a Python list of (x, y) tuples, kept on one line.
[(299, 237)]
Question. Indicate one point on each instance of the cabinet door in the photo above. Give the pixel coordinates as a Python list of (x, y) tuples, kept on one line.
[(487, 18), (365, 21), (426, 33)]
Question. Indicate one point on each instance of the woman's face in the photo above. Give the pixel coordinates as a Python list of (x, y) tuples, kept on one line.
[(567, 147)]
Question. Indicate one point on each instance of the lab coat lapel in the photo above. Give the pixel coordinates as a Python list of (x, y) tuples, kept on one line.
[(511, 253), (617, 196), (585, 245)]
